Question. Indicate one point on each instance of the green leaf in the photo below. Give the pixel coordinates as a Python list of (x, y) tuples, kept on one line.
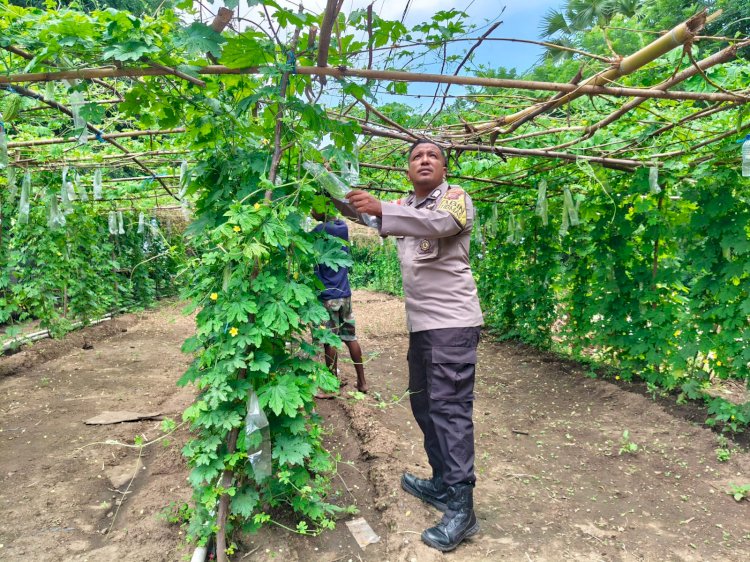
[(291, 449), (250, 49), (199, 38), (129, 50), (245, 501), (284, 396)]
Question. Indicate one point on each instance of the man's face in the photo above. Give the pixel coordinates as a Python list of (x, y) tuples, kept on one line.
[(426, 166)]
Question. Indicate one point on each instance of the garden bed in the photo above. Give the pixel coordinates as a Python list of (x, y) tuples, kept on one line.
[(553, 483)]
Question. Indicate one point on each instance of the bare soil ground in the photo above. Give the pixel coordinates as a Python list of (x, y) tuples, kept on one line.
[(552, 484)]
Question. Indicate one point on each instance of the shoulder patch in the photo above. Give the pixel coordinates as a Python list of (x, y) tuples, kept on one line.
[(454, 202)]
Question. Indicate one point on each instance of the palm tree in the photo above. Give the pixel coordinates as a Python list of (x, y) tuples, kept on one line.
[(560, 27)]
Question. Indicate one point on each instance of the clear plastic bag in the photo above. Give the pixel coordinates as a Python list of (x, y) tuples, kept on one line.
[(3, 144), (24, 206), (81, 188), (492, 222), (79, 123), (55, 219), (350, 171), (98, 184), (141, 223), (184, 179), (328, 181), (49, 91), (185, 208), (67, 206), (120, 225), (515, 230), (258, 438), (113, 223), (570, 207), (337, 188), (653, 180), (565, 222), (541, 202)]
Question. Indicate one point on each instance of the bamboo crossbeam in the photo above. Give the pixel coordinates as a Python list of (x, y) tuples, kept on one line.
[(455, 176), (722, 56), (389, 75), (614, 163), (677, 36), (106, 136), (139, 178), (97, 160)]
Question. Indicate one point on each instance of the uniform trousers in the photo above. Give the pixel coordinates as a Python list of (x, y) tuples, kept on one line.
[(441, 390)]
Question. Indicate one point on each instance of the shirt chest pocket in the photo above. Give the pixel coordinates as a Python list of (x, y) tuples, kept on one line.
[(426, 249)]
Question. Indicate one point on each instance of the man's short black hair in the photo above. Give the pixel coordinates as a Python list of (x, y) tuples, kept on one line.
[(433, 143)]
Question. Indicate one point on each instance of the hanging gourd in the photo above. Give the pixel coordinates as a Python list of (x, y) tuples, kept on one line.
[(24, 206), (541, 202)]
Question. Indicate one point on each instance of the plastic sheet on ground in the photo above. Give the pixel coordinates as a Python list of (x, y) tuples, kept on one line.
[(362, 532)]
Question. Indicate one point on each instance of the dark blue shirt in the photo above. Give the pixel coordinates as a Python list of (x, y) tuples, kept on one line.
[(336, 282)]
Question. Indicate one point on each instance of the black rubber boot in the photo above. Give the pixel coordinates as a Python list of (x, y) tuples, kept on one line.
[(458, 522), (432, 491)]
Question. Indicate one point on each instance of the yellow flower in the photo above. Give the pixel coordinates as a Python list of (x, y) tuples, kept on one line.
[(233, 331), (617, 378), (718, 363), (236, 228), (214, 296), (256, 206), (677, 333)]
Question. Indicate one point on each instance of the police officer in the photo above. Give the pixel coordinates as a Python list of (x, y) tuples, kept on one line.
[(432, 227)]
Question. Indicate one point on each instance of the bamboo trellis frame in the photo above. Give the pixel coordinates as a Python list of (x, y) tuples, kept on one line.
[(470, 139)]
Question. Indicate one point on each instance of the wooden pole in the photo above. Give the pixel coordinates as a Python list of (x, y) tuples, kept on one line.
[(389, 75), (614, 163), (107, 136)]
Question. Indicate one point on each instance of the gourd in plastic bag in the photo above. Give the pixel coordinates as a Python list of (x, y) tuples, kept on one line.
[(570, 207), (76, 101), (113, 223), (67, 206), (515, 235), (184, 179), (185, 208), (3, 144), (333, 185), (565, 222), (23, 207), (653, 180), (258, 438), (335, 188), (141, 223), (81, 188), (49, 91), (492, 222), (120, 225), (55, 219), (541, 202), (98, 184)]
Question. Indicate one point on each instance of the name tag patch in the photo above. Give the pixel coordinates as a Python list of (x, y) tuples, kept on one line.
[(454, 201)]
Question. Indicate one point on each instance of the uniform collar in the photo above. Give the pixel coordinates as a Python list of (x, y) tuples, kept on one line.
[(435, 194)]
